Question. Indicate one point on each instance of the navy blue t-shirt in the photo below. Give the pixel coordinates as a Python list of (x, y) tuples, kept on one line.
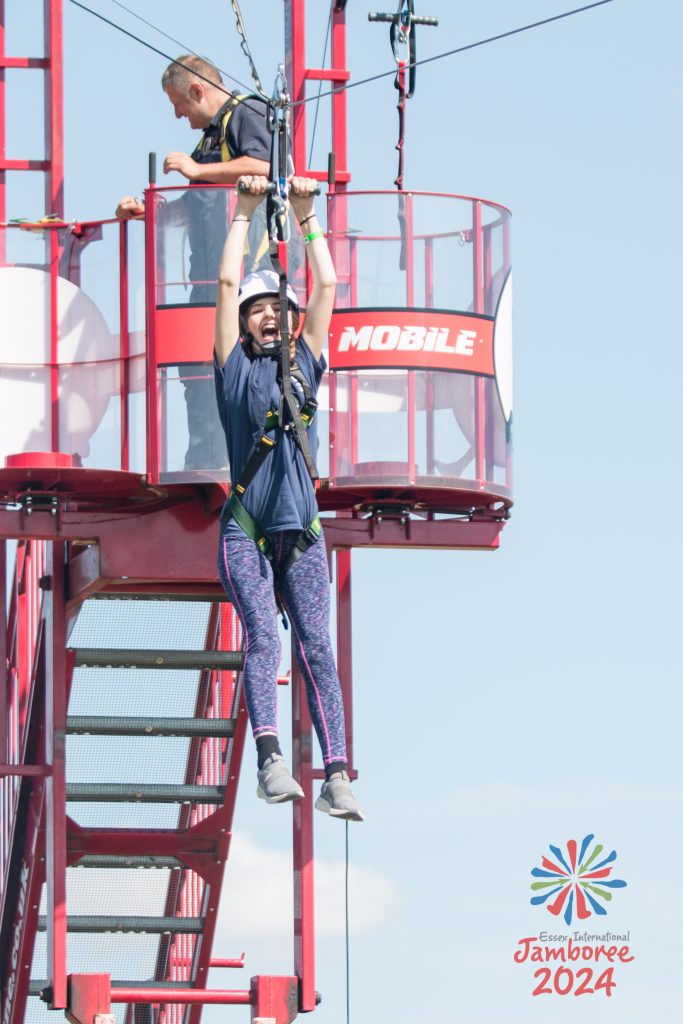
[(247, 135), (281, 495)]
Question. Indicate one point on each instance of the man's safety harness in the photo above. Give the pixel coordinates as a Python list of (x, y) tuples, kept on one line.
[(214, 142), (292, 416)]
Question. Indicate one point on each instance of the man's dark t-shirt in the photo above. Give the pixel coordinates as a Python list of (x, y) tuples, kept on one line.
[(246, 135)]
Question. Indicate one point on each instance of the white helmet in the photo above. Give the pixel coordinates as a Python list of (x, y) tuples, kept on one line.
[(264, 282)]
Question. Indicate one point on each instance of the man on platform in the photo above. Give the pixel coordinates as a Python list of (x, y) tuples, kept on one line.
[(235, 141)]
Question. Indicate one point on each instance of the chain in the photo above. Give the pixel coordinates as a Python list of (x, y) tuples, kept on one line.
[(245, 49)]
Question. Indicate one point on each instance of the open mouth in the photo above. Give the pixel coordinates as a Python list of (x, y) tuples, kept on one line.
[(271, 332)]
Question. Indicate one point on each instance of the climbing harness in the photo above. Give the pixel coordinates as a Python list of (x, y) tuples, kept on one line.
[(234, 507), (293, 416), (214, 142), (403, 45)]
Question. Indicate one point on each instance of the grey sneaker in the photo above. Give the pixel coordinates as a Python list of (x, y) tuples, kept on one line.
[(275, 783), (337, 799)]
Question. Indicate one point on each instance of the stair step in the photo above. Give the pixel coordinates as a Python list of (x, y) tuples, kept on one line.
[(149, 793), (94, 924), (113, 725), (111, 657), (105, 860), (38, 985), (160, 596)]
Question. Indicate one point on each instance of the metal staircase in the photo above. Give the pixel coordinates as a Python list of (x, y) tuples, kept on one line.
[(153, 744)]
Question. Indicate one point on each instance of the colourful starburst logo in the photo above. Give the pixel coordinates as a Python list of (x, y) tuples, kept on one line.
[(577, 883)]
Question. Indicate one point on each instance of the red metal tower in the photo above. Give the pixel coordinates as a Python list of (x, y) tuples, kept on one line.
[(122, 718)]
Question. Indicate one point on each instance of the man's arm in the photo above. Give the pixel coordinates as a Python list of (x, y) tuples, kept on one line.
[(130, 208), (227, 292), (321, 299), (133, 208), (225, 173)]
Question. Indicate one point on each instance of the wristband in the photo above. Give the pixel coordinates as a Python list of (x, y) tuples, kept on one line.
[(247, 219), (310, 217), (312, 237)]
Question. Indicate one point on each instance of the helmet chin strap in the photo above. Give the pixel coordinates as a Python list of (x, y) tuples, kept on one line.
[(266, 349), (260, 349)]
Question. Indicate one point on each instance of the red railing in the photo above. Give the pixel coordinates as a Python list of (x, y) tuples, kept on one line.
[(65, 245)]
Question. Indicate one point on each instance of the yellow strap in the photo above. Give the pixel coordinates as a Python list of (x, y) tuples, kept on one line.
[(226, 155)]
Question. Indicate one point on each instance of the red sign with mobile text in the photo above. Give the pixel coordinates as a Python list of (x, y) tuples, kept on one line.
[(414, 339)]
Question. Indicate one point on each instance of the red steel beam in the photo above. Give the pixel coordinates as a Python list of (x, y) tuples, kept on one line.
[(478, 295), (409, 243), (188, 996), (295, 59), (124, 343), (153, 446), (274, 998), (344, 643), (134, 549), (56, 701), (327, 75), (55, 251), (20, 907), (24, 165), (22, 62), (89, 997), (54, 108), (304, 899), (3, 137), (338, 54), (4, 673), (23, 770)]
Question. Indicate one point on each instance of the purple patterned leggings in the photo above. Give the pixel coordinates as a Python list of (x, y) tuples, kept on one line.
[(247, 577)]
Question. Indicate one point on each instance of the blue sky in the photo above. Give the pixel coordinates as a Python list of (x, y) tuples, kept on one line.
[(502, 701)]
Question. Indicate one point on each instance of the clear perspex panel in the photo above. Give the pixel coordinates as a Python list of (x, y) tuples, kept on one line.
[(72, 345), (189, 230), (420, 388)]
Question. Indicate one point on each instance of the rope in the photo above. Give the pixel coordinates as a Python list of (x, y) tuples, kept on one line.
[(245, 49)]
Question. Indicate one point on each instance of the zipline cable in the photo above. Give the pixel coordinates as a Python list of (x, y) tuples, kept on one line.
[(166, 56), (188, 49), (371, 78), (171, 39)]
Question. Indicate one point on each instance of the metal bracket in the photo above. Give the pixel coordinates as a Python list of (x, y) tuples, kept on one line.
[(31, 503), (395, 513)]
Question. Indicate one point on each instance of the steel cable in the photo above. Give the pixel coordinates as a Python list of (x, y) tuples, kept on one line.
[(371, 78)]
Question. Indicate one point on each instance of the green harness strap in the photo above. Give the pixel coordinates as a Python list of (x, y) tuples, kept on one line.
[(248, 525)]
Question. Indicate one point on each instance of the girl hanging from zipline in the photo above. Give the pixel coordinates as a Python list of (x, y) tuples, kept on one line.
[(271, 547)]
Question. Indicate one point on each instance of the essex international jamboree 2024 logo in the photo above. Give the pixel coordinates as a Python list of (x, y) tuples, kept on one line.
[(574, 885)]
